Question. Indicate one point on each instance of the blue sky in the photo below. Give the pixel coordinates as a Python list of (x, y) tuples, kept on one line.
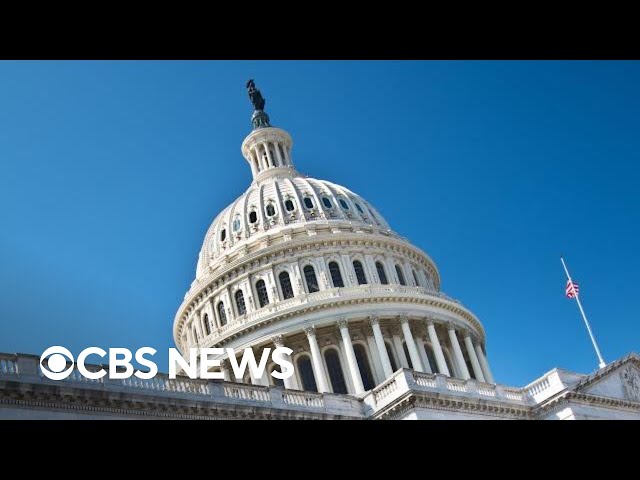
[(111, 172)]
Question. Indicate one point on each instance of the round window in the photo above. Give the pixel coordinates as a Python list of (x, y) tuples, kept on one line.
[(343, 204), (308, 202), (271, 211), (327, 203)]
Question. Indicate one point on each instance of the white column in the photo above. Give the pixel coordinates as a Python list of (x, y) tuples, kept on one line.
[(287, 155), (376, 363), (437, 349), (351, 356), (411, 344), (382, 348), (474, 359), (425, 357), (397, 343), (224, 366), (280, 159), (348, 274), (252, 162), (316, 360), (457, 352), (266, 149), (278, 341), (484, 364)]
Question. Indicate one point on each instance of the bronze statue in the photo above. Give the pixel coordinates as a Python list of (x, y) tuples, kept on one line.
[(255, 96)]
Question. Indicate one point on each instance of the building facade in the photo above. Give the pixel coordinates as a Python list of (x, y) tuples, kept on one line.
[(310, 265)]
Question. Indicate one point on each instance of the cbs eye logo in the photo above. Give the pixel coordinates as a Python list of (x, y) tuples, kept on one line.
[(56, 363)]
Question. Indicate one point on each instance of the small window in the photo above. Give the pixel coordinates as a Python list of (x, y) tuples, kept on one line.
[(288, 204), (327, 203), (242, 308), (359, 208), (343, 204), (360, 276), (306, 374), (236, 224), (253, 217), (381, 274), (222, 314), (271, 211), (312, 280), (205, 320), (263, 297), (400, 275), (336, 276), (223, 235), (285, 285), (308, 202)]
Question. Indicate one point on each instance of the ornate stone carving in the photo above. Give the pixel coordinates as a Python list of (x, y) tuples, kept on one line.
[(342, 323), (278, 340), (403, 319), (630, 378), (310, 331)]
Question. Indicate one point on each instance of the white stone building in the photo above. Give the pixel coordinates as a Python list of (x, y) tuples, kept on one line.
[(311, 265)]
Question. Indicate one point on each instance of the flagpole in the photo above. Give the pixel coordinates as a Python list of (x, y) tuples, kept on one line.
[(584, 317)]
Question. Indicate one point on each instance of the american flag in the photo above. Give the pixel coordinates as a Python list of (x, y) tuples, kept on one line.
[(572, 289)]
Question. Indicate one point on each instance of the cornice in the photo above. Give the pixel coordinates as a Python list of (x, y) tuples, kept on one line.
[(340, 302)]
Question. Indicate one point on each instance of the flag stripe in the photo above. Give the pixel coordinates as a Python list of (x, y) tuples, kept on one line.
[(572, 289)]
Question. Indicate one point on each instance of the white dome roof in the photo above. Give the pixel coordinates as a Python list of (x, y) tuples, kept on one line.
[(284, 200)]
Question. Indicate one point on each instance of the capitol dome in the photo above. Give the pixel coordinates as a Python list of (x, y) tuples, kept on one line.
[(309, 264)]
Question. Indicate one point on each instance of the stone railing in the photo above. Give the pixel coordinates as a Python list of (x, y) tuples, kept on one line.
[(282, 306), (406, 380), (26, 369), (8, 364), (537, 387), (303, 398), (247, 392)]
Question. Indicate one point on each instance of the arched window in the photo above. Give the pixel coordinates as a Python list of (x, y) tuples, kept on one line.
[(334, 368), (271, 211), (288, 204), (205, 320), (223, 234), (327, 203), (415, 278), (261, 290), (343, 204), (253, 217), (360, 276), (306, 374), (432, 358), (310, 277), (400, 275), (285, 285), (382, 275), (392, 361), (236, 224), (240, 305), (363, 365), (222, 314), (359, 208), (406, 354), (336, 276), (308, 202)]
